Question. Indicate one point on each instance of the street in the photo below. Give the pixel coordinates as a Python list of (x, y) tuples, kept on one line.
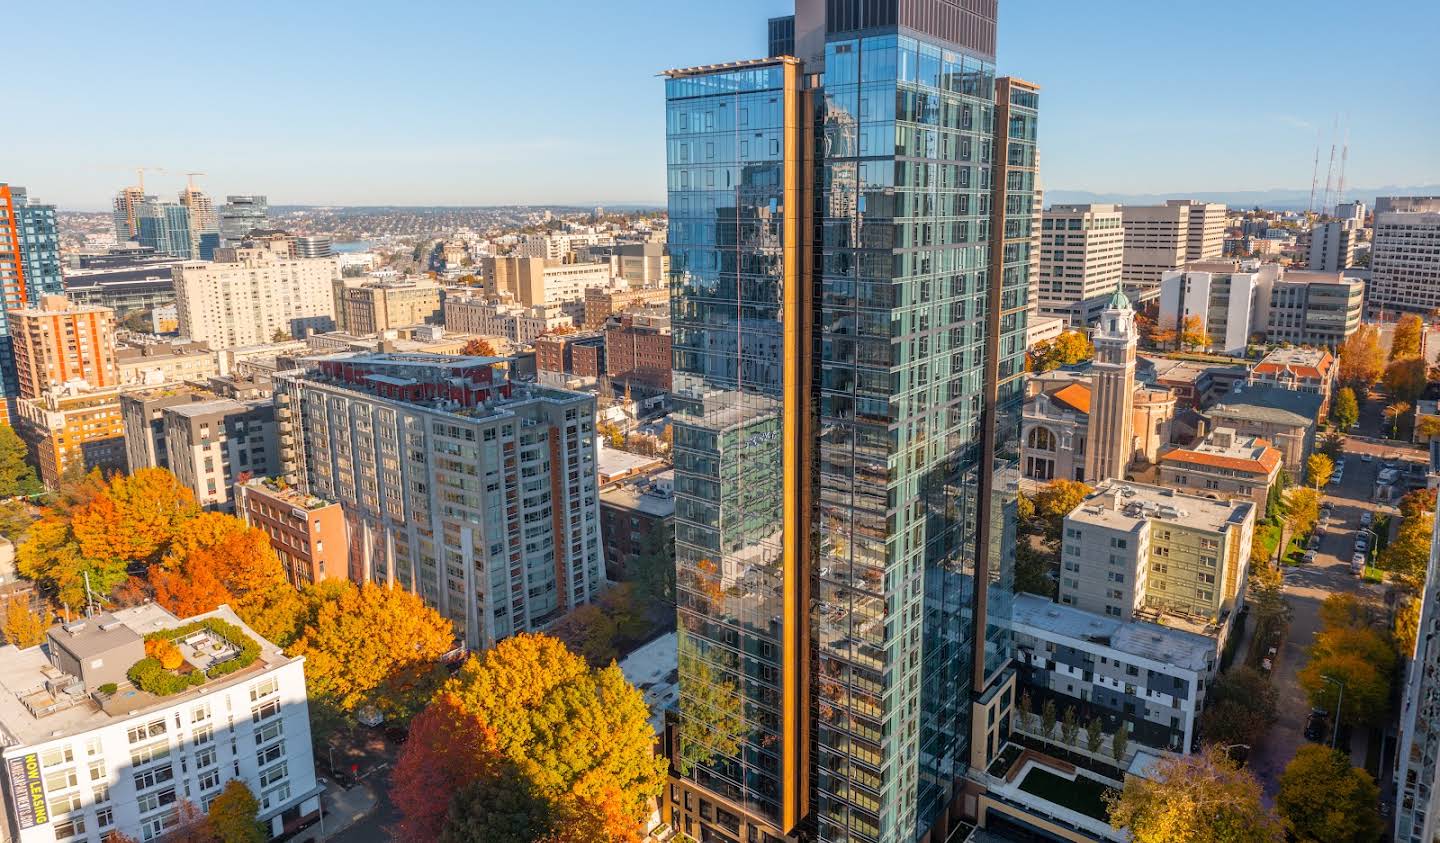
[(1307, 586)]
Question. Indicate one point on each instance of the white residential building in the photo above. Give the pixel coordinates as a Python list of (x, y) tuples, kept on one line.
[(251, 293), (1417, 761), (88, 754)]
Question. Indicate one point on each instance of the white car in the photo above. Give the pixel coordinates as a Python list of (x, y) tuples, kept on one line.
[(1367, 518), (1357, 564), (1367, 458)]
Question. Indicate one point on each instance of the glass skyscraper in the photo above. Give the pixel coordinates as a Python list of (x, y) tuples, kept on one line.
[(29, 266), (850, 253), (165, 227)]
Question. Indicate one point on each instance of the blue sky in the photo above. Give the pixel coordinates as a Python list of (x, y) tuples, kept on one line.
[(553, 101)]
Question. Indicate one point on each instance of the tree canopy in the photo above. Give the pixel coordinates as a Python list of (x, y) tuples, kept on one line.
[(1362, 361), (1323, 799), (1346, 409), (1199, 797), (1239, 707), (1405, 341), (1069, 348), (17, 477), (1057, 499), (1405, 379), (232, 815), (1318, 469)]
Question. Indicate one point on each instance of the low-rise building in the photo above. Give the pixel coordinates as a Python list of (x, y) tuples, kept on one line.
[(308, 533), (637, 349), (1224, 466), (1134, 548), (558, 357), (211, 444), (89, 754), (1284, 417), (1311, 370), (1043, 329), (368, 307), (603, 302), (471, 314), (1055, 427), (630, 514), (1149, 677), (155, 363), (1315, 308), (1228, 300)]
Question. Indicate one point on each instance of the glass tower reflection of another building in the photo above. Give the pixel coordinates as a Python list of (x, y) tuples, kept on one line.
[(849, 276)]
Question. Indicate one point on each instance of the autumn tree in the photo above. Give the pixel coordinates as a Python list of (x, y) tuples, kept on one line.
[(577, 735), (1405, 379), (51, 557), (15, 519), (1199, 797), (24, 627), (1323, 799), (1094, 736), (711, 711), (1057, 499), (479, 347), (1427, 428), (1239, 707), (371, 645), (1192, 333), (502, 808), (1346, 410), (1362, 361), (217, 559), (1302, 509), (1069, 348), (1408, 555), (1319, 469), (1417, 502), (1405, 341), (1406, 626), (17, 477), (1367, 686), (447, 749), (135, 518), (233, 815)]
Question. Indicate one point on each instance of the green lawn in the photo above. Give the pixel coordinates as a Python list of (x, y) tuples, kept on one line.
[(1084, 796)]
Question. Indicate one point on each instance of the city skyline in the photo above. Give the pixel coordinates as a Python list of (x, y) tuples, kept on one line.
[(593, 108)]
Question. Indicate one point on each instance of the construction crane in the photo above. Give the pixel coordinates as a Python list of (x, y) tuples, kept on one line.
[(190, 181), (140, 172)]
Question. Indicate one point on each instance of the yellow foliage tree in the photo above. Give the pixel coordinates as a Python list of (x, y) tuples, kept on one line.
[(1405, 342), (23, 626), (371, 645), (1200, 797), (136, 517), (1362, 361)]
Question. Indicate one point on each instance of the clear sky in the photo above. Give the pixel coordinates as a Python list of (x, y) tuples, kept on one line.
[(556, 101)]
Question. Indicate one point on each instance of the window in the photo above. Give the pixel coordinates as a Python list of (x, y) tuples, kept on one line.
[(150, 778), (105, 817), (58, 755), (157, 799), (273, 752), (97, 770), (64, 803), (209, 780), (101, 793), (269, 732), (264, 689), (69, 828), (154, 728), (200, 712), (269, 708), (92, 746), (205, 757), (202, 735), (157, 751), (274, 774), (273, 798), (61, 779)]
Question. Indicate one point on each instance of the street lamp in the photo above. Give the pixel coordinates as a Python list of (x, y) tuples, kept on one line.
[(1335, 736)]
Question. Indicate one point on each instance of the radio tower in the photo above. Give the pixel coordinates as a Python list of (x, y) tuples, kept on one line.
[(1314, 177), (1330, 171), (1344, 155)]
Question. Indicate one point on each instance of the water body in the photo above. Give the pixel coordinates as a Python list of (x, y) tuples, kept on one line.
[(353, 246)]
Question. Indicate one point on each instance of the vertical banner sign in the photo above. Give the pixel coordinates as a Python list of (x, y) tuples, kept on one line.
[(27, 791)]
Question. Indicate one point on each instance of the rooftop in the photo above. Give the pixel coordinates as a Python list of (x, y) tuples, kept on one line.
[(1186, 650), (644, 494), (1124, 506), (1302, 362), (1223, 449), (286, 494), (651, 668), (1272, 404), (40, 702)]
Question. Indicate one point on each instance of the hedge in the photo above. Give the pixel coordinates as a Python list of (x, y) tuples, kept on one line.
[(149, 676)]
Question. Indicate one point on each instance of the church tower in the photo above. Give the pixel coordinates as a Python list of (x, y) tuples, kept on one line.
[(1110, 439)]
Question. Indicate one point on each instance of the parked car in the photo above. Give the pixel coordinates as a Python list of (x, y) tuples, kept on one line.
[(1316, 726), (1314, 543), (1367, 458), (1367, 518), (1357, 564), (1362, 544), (1309, 557)]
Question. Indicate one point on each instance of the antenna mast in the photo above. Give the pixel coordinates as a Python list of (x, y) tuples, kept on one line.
[(1344, 156), (1314, 175)]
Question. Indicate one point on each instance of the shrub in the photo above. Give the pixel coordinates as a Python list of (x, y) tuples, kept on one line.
[(108, 689), (150, 676), (154, 675)]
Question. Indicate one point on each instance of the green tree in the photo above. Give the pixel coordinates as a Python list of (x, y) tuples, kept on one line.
[(654, 572), (1332, 446), (1200, 797), (501, 808), (1405, 341), (1239, 707), (1069, 727), (1345, 410), (1027, 710), (711, 711), (17, 477), (1367, 688), (1323, 799), (233, 815), (15, 519), (1119, 742), (1319, 469), (1094, 736)]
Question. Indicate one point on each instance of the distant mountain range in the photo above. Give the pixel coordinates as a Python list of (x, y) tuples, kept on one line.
[(1278, 199)]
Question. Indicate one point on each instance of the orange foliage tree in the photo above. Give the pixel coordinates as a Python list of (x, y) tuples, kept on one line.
[(136, 517), (479, 347)]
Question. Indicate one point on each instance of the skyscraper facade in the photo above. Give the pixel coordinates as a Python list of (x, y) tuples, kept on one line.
[(29, 266), (241, 215), (1405, 257), (127, 213), (850, 240), (203, 219), (165, 227)]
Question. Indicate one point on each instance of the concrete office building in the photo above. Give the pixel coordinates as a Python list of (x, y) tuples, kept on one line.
[(637, 349), (312, 246), (241, 215), (1231, 300), (535, 282), (639, 264), (57, 344), (1405, 257), (557, 246), (1082, 249), (1314, 308), (1134, 549), (848, 378), (1150, 677), (1331, 245), (252, 293), (369, 307), (477, 493), (1164, 238), (1225, 466), (89, 755), (1286, 418), (308, 533), (601, 302)]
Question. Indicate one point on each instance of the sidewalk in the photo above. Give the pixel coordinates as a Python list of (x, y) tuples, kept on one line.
[(340, 809)]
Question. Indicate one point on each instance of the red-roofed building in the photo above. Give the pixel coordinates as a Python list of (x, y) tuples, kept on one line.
[(1224, 466), (1056, 426), (1299, 370)]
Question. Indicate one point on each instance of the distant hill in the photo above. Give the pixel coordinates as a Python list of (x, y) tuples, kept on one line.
[(1279, 199)]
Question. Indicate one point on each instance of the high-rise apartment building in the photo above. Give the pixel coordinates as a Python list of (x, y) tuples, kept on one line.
[(477, 493), (29, 269), (1332, 245), (1405, 256), (65, 429), (127, 212), (1217, 305), (1082, 250), (1163, 238), (850, 247), (211, 444), (249, 295), (166, 227), (368, 307), (57, 343), (241, 215), (1417, 761)]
